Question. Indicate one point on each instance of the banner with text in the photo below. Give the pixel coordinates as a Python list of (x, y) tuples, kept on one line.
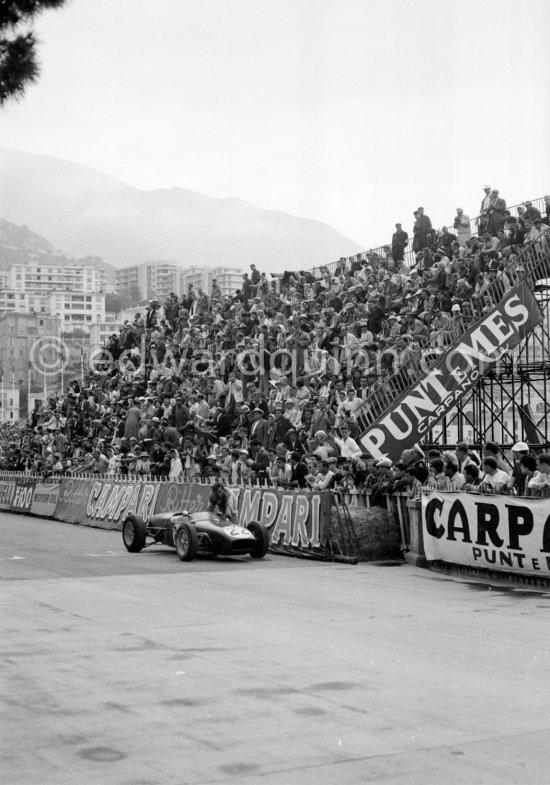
[(416, 412), (7, 492), (71, 502), (295, 520), (175, 496), (494, 532), (23, 493), (44, 499)]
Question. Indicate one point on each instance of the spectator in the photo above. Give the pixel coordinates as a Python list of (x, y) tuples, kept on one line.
[(349, 449), (323, 478), (520, 450), (464, 457), (495, 213), (531, 213), (494, 479), (490, 450), (462, 227), (471, 477), (399, 242), (483, 220), (455, 478), (533, 478), (422, 230), (437, 478)]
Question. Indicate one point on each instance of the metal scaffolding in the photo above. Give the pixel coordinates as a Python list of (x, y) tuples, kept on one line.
[(510, 403)]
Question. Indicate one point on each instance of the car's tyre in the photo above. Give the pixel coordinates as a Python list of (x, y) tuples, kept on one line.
[(186, 542), (134, 533), (262, 540)]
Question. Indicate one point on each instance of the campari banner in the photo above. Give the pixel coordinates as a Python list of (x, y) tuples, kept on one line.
[(297, 521), (416, 412), (103, 503), (502, 533)]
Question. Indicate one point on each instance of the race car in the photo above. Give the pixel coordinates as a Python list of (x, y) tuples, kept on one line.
[(196, 533)]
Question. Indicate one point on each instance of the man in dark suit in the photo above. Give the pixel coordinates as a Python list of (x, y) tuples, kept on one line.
[(299, 471), (497, 207), (399, 242), (282, 425), (258, 428), (260, 461), (422, 230), (260, 402)]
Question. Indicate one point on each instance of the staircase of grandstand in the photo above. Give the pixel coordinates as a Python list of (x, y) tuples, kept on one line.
[(532, 265)]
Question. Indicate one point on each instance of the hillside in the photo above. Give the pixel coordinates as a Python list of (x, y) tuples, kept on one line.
[(87, 213), (20, 245)]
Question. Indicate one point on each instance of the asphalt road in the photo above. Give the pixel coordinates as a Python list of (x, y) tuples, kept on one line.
[(138, 669)]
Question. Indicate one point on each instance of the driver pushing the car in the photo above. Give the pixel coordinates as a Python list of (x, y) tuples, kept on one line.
[(221, 501)]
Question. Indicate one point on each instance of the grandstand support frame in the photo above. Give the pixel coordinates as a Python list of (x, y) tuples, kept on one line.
[(509, 404)]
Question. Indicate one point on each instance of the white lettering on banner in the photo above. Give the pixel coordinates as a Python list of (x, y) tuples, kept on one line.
[(109, 502), (23, 496), (453, 375), (487, 531), (285, 515), (7, 490)]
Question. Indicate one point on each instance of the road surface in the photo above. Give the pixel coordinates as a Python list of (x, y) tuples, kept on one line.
[(138, 669)]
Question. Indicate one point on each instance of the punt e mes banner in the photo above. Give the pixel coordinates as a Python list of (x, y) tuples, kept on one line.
[(416, 412)]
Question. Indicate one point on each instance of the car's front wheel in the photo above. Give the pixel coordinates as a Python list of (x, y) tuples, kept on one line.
[(261, 537), (134, 533), (186, 542)]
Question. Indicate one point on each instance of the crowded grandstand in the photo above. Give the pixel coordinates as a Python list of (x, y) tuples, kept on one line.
[(272, 384)]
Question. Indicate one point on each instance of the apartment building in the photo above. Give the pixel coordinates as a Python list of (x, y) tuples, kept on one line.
[(41, 279), (148, 281), (229, 278)]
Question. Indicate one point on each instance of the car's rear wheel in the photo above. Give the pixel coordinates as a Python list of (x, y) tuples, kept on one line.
[(134, 533), (186, 542), (261, 536)]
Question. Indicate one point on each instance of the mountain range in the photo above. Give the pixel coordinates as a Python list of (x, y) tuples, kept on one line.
[(89, 214), (20, 245)]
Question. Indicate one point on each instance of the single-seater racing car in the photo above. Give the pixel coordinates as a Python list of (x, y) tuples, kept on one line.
[(202, 533)]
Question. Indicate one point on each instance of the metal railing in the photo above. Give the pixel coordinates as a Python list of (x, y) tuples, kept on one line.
[(345, 263)]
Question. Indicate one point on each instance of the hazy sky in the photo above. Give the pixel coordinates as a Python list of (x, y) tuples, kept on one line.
[(353, 112)]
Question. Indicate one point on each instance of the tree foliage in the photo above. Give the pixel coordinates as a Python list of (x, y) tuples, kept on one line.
[(124, 299), (18, 60)]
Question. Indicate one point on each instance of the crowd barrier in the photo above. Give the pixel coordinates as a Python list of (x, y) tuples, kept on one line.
[(498, 534), (298, 522), (494, 533)]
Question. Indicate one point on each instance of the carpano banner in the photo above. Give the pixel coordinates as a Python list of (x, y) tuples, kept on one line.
[(294, 519), (416, 412), (494, 532)]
